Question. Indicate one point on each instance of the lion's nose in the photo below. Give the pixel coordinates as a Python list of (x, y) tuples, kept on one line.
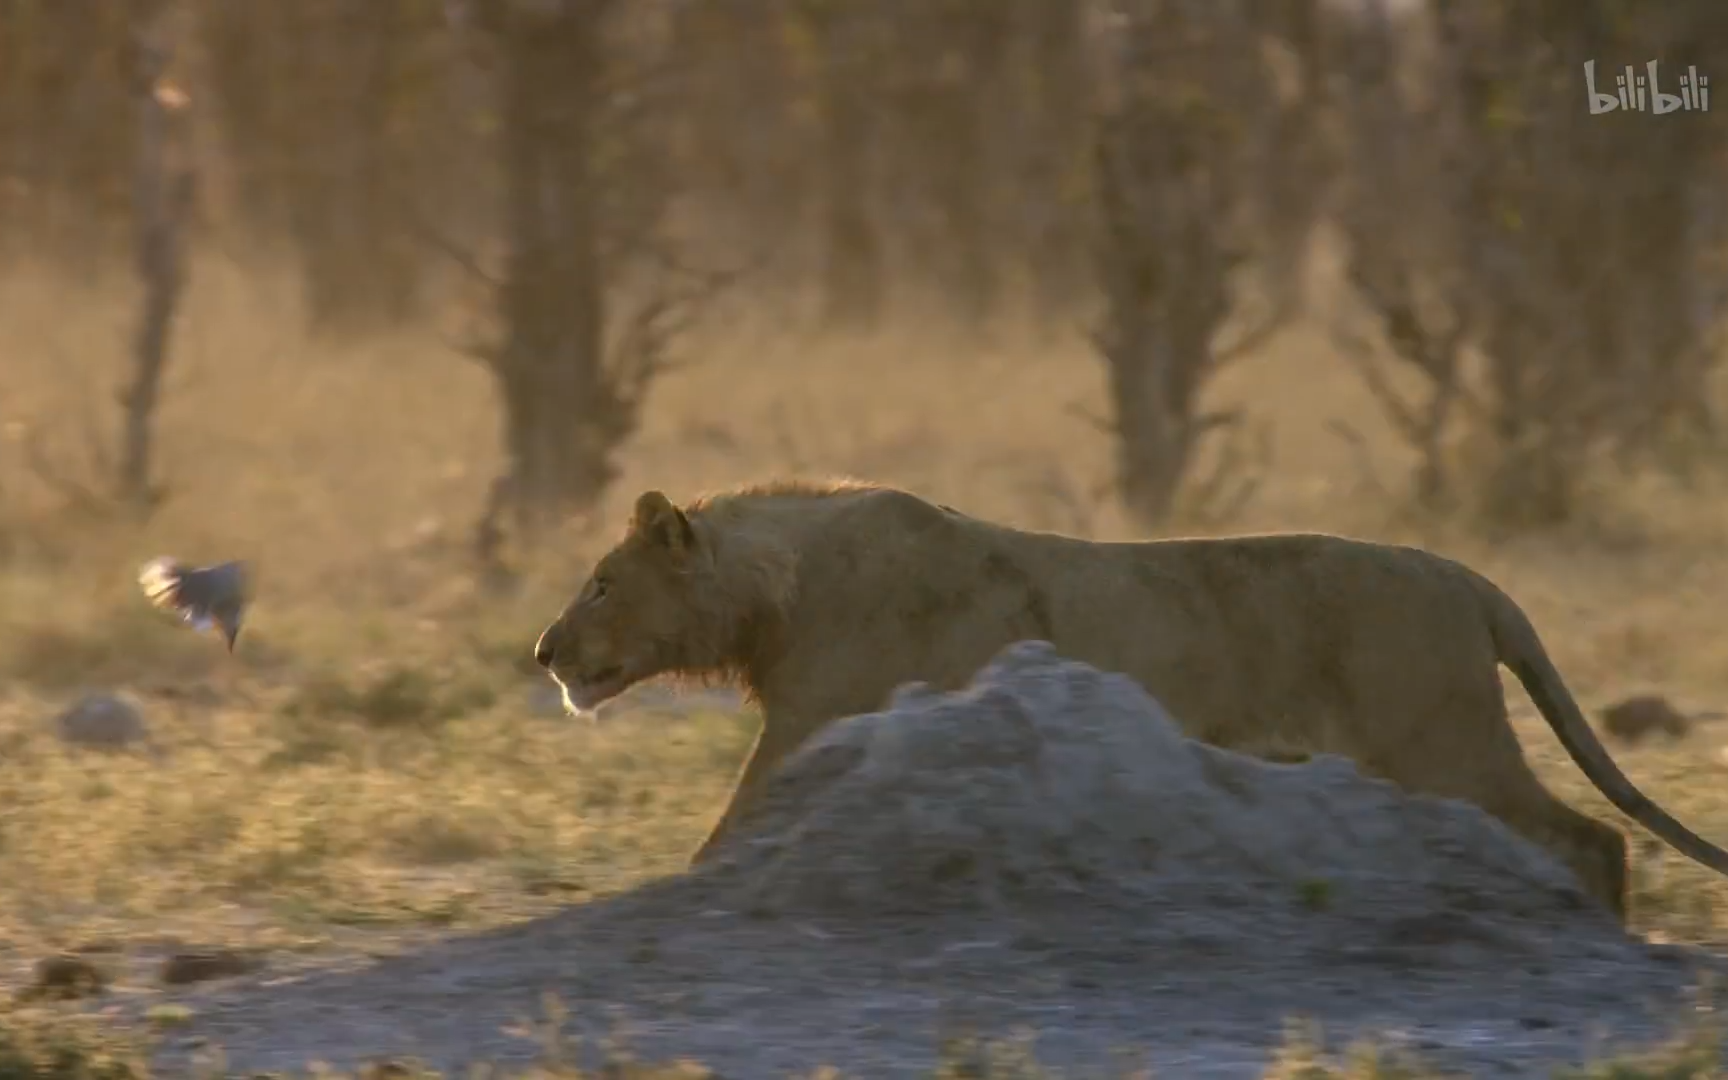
[(546, 649)]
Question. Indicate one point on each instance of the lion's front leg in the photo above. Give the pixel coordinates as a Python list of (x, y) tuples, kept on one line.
[(773, 743)]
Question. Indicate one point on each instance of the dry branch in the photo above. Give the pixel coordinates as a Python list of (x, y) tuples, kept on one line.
[(593, 296), (163, 194), (1402, 196), (1182, 160)]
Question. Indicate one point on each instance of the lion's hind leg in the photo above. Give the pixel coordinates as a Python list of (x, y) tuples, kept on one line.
[(1455, 740), (1505, 786), (1594, 849)]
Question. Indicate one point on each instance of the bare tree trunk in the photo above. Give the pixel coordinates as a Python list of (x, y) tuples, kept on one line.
[(852, 282), (247, 52), (314, 132), (1164, 282), (15, 104), (1399, 210), (970, 185), (64, 106), (736, 118), (1584, 351), (163, 193), (358, 273), (1155, 440), (570, 396), (594, 292), (1176, 203), (550, 366), (955, 51), (1059, 96)]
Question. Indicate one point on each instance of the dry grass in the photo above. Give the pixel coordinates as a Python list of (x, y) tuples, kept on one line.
[(32, 1050), (370, 757)]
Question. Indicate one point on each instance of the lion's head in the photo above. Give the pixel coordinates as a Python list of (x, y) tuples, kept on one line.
[(671, 597), (629, 619)]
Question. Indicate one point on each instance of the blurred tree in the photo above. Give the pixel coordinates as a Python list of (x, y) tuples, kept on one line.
[(847, 53), (163, 189), (1567, 247), (737, 63), (1184, 154), (66, 132), (245, 49), (64, 167), (1583, 301), (948, 89), (1049, 105), (562, 415), (1401, 198), (594, 292), (317, 103)]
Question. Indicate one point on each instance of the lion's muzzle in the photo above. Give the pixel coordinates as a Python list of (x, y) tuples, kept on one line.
[(546, 649)]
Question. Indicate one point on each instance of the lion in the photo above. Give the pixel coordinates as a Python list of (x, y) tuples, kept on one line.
[(822, 598)]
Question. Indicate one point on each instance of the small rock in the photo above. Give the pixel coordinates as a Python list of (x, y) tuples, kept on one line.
[(201, 966), (102, 721), (66, 978), (1633, 718)]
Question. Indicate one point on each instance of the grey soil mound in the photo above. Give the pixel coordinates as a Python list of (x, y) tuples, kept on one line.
[(1049, 784), (1044, 851)]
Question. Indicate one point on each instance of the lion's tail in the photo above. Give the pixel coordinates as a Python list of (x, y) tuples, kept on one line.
[(1520, 649)]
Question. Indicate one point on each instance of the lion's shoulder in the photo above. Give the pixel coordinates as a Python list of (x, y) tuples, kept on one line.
[(797, 506), (812, 495)]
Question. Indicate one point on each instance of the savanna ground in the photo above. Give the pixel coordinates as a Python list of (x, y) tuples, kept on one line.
[(377, 764)]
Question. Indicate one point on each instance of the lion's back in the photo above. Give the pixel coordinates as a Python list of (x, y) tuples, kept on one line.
[(1311, 640), (1248, 639)]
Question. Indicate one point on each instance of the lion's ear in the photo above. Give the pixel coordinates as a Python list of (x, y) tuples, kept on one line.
[(658, 521)]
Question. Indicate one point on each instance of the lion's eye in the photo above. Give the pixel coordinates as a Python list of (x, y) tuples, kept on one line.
[(599, 591)]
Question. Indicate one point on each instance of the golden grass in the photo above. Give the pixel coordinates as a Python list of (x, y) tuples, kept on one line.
[(31, 1049), (369, 756)]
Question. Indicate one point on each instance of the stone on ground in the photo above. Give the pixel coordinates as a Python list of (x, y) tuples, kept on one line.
[(103, 721)]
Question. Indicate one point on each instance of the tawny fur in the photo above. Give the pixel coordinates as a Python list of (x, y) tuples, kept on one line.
[(822, 598)]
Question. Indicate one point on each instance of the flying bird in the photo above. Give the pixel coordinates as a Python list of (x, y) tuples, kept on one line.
[(207, 597)]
